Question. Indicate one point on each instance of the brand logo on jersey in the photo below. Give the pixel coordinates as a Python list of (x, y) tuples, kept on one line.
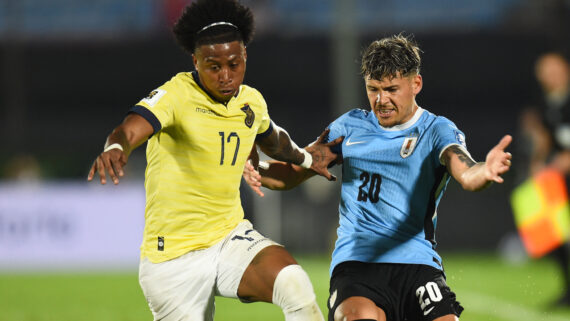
[(408, 146), (154, 97), (460, 138), (348, 142), (249, 115)]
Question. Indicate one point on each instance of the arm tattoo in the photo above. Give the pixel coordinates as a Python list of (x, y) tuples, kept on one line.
[(463, 157), (278, 145)]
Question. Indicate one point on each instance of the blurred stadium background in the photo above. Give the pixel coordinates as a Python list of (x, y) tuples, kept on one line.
[(70, 69)]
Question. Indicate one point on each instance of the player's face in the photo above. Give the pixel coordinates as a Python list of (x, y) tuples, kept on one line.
[(393, 99), (221, 68)]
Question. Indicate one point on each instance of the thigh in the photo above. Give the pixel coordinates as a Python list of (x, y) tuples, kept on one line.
[(431, 298), (248, 265), (361, 290), (358, 308), (182, 288)]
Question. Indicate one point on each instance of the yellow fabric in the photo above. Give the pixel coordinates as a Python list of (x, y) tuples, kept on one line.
[(194, 165), (542, 212)]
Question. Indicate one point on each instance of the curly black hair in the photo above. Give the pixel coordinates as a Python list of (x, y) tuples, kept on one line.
[(390, 57), (189, 29)]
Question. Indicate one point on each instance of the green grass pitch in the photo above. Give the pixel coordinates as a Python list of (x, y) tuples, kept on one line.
[(487, 287)]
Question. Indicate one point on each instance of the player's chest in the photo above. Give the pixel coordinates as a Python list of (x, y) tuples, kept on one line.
[(202, 121), (386, 149)]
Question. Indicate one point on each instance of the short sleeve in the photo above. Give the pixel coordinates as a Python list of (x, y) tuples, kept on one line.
[(265, 126), (157, 108), (337, 129), (447, 134)]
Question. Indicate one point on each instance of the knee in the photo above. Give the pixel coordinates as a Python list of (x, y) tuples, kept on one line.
[(358, 309), (292, 289)]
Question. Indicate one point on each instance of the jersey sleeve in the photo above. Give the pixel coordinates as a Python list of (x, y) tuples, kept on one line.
[(265, 127), (157, 108), (337, 129), (447, 134)]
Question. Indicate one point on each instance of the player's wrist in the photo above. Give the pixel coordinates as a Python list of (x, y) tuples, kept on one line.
[(308, 161), (113, 146)]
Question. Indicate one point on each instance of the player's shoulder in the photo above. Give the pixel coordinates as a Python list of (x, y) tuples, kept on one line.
[(355, 114), (181, 79), (438, 121), (249, 92)]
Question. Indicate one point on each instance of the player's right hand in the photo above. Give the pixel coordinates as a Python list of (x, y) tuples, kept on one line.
[(111, 162), (323, 157)]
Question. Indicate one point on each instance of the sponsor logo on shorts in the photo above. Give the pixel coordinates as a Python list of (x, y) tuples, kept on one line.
[(161, 243), (332, 299), (426, 312), (256, 242)]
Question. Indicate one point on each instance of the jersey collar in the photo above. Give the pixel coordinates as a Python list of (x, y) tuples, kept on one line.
[(197, 80)]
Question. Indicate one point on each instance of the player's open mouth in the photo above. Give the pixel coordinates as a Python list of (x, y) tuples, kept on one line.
[(227, 92), (385, 112)]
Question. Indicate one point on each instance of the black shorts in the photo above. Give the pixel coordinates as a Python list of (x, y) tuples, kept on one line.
[(404, 291)]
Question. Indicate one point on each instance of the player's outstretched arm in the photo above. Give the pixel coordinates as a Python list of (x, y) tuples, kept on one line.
[(317, 156), (134, 131), (275, 175), (476, 176)]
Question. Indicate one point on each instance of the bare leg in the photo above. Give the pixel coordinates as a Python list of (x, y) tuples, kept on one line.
[(257, 281), (274, 276), (358, 307)]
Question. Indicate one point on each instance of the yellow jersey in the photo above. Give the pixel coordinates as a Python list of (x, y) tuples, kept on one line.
[(195, 161)]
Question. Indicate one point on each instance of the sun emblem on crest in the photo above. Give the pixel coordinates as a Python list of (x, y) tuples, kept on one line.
[(409, 145)]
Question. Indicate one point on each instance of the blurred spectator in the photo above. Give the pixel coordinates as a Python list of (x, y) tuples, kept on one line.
[(546, 130), (172, 10), (23, 168)]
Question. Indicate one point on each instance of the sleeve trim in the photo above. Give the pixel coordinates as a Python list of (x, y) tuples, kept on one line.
[(265, 133), (460, 147), (148, 115)]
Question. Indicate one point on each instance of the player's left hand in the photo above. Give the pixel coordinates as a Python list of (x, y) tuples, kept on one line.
[(252, 178), (323, 156), (498, 161)]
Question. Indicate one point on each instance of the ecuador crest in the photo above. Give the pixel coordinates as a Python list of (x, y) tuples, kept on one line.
[(249, 115)]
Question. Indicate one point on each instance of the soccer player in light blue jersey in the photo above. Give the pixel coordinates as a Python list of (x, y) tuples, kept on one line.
[(397, 159)]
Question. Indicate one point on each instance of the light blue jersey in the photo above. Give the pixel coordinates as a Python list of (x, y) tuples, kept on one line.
[(392, 182)]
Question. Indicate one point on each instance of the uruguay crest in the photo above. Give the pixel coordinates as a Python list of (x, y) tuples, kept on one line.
[(249, 115), (408, 146)]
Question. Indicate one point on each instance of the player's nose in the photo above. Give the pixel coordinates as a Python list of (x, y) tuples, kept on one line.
[(225, 76)]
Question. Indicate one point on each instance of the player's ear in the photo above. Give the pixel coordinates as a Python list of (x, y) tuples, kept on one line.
[(244, 53), (195, 61), (417, 84)]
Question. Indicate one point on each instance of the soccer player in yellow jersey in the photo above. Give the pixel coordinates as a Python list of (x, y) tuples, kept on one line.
[(200, 127)]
